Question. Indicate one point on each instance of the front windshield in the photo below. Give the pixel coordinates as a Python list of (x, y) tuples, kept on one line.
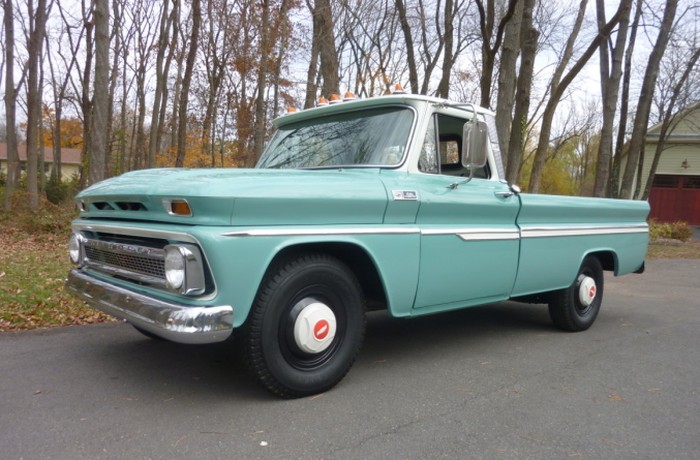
[(372, 137)]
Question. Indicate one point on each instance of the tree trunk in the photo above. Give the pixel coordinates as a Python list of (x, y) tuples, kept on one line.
[(161, 83), (448, 51), (13, 167), (612, 189), (610, 86), (410, 53), (100, 105), (186, 81), (507, 78), (34, 50), (641, 120), (328, 54), (516, 142), (487, 19), (670, 120), (259, 131), (558, 88)]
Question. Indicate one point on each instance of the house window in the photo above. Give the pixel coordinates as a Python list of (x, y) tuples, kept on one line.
[(691, 182), (665, 181)]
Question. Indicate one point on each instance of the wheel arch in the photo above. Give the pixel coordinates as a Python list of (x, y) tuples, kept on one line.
[(354, 256), (606, 257)]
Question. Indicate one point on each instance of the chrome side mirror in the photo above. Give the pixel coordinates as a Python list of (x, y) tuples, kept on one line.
[(474, 139)]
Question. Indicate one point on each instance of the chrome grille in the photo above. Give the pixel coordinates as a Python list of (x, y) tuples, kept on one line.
[(141, 261), (129, 262)]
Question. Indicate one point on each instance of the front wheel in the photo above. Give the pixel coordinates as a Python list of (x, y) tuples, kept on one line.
[(306, 326), (576, 307)]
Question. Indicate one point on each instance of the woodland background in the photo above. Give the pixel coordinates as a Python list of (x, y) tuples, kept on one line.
[(144, 83)]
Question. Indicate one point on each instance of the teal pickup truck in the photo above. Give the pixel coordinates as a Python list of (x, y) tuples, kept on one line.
[(394, 202)]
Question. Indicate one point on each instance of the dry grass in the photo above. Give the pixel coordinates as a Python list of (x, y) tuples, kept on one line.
[(673, 249), (33, 267)]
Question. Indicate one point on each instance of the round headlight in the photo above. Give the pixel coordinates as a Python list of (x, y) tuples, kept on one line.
[(74, 248), (174, 267)]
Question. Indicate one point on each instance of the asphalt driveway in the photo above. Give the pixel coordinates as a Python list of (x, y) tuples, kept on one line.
[(490, 382)]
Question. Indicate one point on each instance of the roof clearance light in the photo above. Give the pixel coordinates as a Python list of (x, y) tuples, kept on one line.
[(322, 102), (349, 96), (398, 89), (291, 109), (334, 99)]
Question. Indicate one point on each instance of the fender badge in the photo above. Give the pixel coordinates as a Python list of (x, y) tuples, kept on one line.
[(404, 195)]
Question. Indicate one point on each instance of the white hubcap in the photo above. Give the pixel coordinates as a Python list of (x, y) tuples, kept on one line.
[(314, 328), (587, 291)]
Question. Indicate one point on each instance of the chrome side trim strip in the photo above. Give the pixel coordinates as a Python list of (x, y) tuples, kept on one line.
[(490, 236), (467, 234), (323, 231), (587, 230), (475, 234)]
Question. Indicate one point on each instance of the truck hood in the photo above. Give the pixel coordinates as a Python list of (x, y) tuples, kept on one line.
[(246, 197)]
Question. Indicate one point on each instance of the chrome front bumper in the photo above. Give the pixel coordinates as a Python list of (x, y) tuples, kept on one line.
[(171, 321)]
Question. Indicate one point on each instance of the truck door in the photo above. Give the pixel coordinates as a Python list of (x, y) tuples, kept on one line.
[(469, 239)]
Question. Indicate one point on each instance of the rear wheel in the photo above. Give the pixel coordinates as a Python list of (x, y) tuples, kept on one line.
[(306, 326), (576, 307)]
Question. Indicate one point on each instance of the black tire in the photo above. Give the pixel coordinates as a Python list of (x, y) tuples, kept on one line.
[(567, 310), (273, 353)]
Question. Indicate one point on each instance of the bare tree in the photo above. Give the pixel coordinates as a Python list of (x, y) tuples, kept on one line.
[(507, 76), (37, 28), (186, 81), (641, 120), (59, 83), (100, 105), (13, 167), (610, 86), (491, 41), (517, 131), (559, 84), (323, 52), (669, 116), (612, 189)]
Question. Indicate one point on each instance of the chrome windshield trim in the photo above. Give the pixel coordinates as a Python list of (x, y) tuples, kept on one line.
[(323, 231), (583, 230)]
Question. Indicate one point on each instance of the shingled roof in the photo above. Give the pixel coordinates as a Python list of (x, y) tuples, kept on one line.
[(68, 156)]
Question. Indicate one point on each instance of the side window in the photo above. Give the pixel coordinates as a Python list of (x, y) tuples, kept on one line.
[(428, 161), (450, 139)]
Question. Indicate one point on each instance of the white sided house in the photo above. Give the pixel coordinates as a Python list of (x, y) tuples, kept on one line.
[(675, 192), (70, 160)]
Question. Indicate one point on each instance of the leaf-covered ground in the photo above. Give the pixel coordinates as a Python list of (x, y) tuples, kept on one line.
[(33, 268)]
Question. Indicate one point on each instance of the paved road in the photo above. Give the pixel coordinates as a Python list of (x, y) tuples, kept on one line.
[(491, 382)]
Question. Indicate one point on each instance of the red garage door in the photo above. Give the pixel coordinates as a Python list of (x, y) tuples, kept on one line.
[(675, 198)]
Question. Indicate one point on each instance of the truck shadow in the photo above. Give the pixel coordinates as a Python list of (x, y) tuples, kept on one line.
[(211, 372)]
